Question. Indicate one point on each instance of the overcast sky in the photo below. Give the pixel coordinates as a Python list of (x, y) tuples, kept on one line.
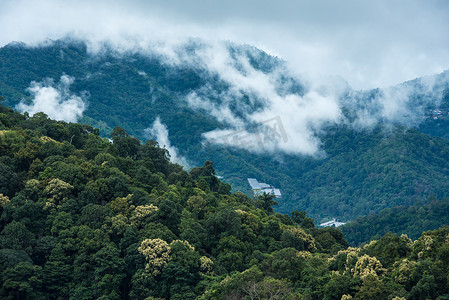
[(368, 43)]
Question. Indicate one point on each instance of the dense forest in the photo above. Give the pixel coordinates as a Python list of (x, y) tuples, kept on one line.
[(411, 220), (362, 171), (85, 217)]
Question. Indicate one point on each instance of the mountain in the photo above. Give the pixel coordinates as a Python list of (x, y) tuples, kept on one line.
[(333, 165), (85, 218)]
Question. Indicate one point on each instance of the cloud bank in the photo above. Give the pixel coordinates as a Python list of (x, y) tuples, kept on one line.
[(55, 100), (260, 109), (159, 132), (370, 44), (406, 104), (280, 111)]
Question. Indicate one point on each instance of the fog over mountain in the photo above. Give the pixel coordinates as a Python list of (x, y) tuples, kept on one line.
[(248, 92), (370, 45), (329, 47), (159, 133)]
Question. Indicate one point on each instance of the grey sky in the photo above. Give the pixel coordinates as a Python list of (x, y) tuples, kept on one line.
[(369, 43)]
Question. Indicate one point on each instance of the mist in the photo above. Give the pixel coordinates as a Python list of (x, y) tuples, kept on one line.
[(260, 110), (159, 132), (263, 108), (54, 99)]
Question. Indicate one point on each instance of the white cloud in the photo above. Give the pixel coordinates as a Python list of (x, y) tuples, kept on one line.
[(54, 100), (300, 116), (223, 113), (405, 104), (159, 132)]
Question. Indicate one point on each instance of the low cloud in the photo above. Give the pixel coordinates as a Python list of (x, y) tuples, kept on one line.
[(55, 100), (252, 95), (257, 104), (405, 104), (159, 132), (245, 98)]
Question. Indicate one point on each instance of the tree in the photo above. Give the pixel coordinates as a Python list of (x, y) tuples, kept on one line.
[(144, 285), (156, 253), (284, 263), (299, 217), (224, 222), (125, 144), (109, 271), (197, 205), (205, 177), (9, 180), (390, 248), (269, 288), (4, 200), (58, 272), (57, 191), (372, 289), (169, 214), (16, 236), (23, 281), (337, 286), (94, 215), (297, 238), (265, 202), (177, 282), (184, 254), (142, 213)]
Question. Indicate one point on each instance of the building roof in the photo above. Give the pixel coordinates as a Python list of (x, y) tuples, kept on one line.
[(333, 223), (277, 192), (261, 187), (264, 185), (254, 183)]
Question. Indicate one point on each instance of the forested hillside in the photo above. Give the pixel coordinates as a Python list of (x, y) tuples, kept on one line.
[(410, 220), (360, 170), (86, 218)]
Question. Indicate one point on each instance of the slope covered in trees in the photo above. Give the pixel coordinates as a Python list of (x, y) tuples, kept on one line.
[(362, 171), (85, 218), (411, 220)]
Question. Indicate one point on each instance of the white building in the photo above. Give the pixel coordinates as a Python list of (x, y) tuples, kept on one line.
[(332, 223), (259, 188)]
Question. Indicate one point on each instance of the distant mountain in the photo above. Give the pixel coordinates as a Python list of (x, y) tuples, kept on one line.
[(370, 159)]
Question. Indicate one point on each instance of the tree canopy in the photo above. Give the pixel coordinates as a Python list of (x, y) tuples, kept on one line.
[(84, 218)]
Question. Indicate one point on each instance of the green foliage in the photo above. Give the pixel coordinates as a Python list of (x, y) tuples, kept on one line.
[(95, 220), (23, 281), (412, 220)]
